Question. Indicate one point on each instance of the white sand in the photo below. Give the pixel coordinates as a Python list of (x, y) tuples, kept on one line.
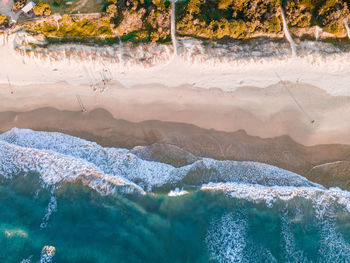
[(331, 74)]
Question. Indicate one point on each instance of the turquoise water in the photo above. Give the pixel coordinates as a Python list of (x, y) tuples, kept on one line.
[(88, 220), (201, 226)]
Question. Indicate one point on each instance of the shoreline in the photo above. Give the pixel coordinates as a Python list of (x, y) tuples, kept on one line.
[(171, 142)]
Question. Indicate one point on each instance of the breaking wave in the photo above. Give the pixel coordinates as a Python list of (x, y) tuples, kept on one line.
[(63, 158), (238, 211), (322, 199), (56, 169), (231, 238)]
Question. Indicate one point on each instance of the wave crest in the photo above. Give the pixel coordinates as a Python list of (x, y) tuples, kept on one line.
[(59, 157)]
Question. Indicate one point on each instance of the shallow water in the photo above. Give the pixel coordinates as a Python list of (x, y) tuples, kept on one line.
[(230, 220)]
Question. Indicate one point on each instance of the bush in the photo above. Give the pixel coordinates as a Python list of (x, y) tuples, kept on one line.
[(328, 14), (18, 5), (42, 9), (4, 21)]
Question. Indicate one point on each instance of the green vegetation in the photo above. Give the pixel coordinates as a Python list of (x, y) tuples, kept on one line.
[(42, 9), (74, 6), (4, 21), (75, 28), (228, 18), (149, 20), (131, 20), (328, 14)]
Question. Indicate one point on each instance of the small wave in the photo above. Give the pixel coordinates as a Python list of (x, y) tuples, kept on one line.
[(322, 199), (165, 153), (210, 170), (115, 161), (177, 192)]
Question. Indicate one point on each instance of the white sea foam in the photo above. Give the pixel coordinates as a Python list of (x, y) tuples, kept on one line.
[(327, 204), (210, 170), (290, 252), (148, 174), (226, 238), (51, 208), (47, 254), (333, 247), (56, 169), (113, 161), (177, 192), (26, 260), (322, 199)]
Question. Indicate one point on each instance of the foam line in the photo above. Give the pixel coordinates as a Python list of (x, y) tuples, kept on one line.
[(122, 163)]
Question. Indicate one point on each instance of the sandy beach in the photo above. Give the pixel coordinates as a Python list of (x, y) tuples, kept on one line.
[(199, 131), (264, 125), (307, 114), (288, 112)]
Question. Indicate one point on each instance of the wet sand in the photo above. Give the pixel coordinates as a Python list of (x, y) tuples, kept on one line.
[(303, 112), (100, 126)]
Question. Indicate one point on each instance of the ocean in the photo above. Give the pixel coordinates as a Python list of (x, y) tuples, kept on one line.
[(65, 199)]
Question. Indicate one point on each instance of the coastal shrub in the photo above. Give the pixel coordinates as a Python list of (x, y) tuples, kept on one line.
[(3, 20), (223, 4), (42, 9), (273, 25), (111, 10), (149, 20), (328, 14), (46, 27), (17, 5), (232, 18), (160, 4), (75, 28)]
